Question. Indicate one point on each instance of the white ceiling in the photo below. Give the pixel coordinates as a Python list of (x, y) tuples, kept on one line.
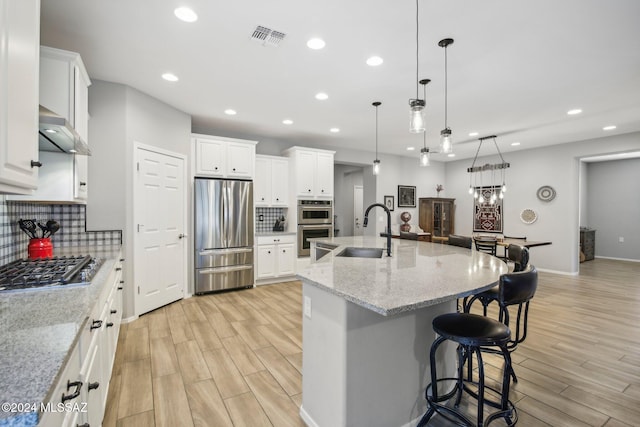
[(515, 69)]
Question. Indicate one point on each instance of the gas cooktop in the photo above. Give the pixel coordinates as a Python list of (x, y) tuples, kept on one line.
[(47, 273)]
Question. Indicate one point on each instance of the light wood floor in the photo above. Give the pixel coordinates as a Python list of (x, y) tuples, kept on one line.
[(235, 359)]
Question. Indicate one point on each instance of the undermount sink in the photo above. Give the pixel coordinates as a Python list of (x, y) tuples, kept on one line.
[(361, 252)]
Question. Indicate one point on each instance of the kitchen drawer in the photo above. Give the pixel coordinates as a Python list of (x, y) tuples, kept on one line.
[(270, 240)]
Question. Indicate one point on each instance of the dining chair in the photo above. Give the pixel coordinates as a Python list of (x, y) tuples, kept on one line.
[(461, 241), (486, 245), (519, 256), (506, 247)]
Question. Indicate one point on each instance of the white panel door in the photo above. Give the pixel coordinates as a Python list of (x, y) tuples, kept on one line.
[(159, 211)]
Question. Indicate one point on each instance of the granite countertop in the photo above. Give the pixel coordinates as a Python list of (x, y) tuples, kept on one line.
[(38, 328), (418, 274), (274, 233)]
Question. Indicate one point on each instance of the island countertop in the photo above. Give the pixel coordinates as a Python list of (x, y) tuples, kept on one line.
[(418, 274)]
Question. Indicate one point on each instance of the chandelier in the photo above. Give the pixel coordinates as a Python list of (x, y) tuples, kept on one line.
[(491, 188)]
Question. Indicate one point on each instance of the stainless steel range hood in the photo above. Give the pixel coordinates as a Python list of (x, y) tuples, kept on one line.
[(57, 135)]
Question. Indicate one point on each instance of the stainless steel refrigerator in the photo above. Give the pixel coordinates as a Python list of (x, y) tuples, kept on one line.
[(223, 228)]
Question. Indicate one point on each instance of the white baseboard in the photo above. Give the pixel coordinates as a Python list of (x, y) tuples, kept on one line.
[(311, 423), (618, 259), (307, 418), (564, 273), (129, 319)]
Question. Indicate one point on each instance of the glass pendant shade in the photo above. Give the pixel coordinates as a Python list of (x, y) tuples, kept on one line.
[(424, 157), (416, 116), (376, 167), (445, 141)]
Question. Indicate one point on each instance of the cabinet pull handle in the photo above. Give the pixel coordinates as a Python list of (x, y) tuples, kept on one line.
[(119, 288), (121, 281), (109, 324), (83, 425), (118, 268), (96, 324), (114, 311), (35, 164), (93, 386), (76, 392), (121, 259), (82, 184)]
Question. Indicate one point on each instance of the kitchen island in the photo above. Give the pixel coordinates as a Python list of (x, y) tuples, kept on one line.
[(367, 327)]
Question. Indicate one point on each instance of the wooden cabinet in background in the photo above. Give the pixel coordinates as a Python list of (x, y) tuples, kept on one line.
[(588, 244), (437, 216)]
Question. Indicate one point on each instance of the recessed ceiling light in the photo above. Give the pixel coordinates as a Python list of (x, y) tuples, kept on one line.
[(515, 144), (574, 111), (473, 134), (185, 14), (170, 77), (451, 155), (316, 44), (411, 148), (610, 127), (334, 130), (322, 96), (230, 112), (287, 121), (374, 61)]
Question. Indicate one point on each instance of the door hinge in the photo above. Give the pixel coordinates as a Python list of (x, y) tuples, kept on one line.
[(138, 166), (138, 290)]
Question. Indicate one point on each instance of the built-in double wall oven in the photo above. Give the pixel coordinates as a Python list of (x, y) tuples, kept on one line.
[(315, 220)]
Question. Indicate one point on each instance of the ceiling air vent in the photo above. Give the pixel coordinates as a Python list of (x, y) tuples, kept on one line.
[(267, 36)]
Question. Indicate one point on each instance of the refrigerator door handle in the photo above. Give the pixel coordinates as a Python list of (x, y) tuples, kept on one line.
[(219, 270)]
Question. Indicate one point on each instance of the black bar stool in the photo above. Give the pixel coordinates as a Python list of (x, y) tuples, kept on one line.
[(472, 332)]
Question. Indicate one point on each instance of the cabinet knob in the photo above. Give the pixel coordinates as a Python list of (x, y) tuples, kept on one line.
[(82, 184), (268, 252), (93, 386), (277, 200), (284, 251), (109, 324), (322, 191), (234, 169), (309, 190), (35, 164), (262, 198)]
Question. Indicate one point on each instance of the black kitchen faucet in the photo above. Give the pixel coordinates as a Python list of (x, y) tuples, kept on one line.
[(366, 221)]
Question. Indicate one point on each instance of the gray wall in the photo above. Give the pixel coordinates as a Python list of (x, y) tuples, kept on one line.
[(613, 204), (120, 117), (558, 220), (345, 178)]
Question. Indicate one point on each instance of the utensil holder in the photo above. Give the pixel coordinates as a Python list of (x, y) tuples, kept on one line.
[(40, 248)]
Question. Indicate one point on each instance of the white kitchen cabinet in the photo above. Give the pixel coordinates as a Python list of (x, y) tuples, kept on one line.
[(63, 178), (19, 56), (64, 87), (271, 183), (67, 391), (276, 257), (221, 157), (312, 172)]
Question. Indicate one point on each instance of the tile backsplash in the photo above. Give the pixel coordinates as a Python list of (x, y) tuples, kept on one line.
[(72, 220), (269, 217)]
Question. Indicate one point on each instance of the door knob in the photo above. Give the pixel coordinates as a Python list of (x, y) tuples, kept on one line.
[(181, 236)]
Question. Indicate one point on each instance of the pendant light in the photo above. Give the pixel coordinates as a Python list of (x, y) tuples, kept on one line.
[(497, 190), (376, 162), (445, 134), (424, 151), (416, 110)]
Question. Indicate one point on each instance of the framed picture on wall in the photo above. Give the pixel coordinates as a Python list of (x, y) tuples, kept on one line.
[(406, 196), (388, 202)]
